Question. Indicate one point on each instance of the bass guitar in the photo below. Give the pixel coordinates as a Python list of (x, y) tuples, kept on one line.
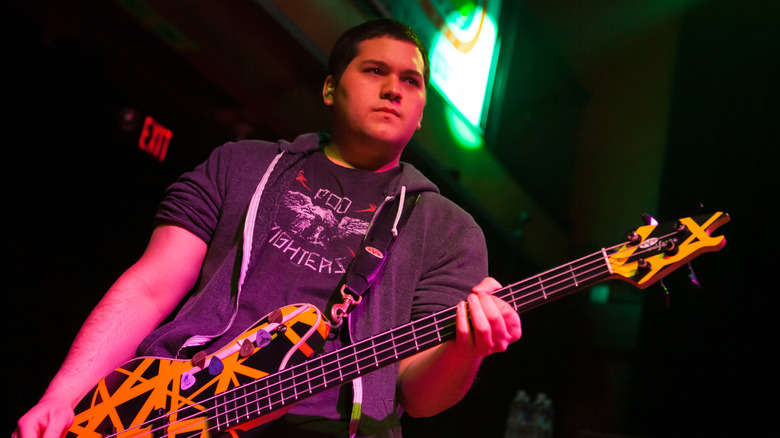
[(273, 364)]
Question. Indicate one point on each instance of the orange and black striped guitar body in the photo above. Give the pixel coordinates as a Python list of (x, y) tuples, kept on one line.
[(154, 397)]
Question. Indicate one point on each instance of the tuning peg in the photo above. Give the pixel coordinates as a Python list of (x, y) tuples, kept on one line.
[(670, 248), (634, 238), (649, 220)]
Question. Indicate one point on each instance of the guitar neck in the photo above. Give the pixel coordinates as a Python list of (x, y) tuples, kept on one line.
[(558, 282), (348, 363)]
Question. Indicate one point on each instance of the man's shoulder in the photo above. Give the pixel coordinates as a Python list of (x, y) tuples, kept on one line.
[(444, 208), (304, 143)]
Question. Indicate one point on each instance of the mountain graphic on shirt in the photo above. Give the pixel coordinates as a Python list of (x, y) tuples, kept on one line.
[(319, 225)]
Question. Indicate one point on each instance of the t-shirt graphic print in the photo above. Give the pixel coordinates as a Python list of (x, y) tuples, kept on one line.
[(320, 224)]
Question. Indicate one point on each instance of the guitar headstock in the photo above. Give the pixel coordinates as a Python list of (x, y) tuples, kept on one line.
[(654, 251)]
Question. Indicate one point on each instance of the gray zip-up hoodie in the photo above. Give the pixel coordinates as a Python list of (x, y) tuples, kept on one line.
[(439, 256)]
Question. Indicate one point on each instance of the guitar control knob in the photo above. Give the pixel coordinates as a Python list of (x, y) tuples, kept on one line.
[(670, 248)]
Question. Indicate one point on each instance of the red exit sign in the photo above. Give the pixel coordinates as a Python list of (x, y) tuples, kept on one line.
[(155, 139)]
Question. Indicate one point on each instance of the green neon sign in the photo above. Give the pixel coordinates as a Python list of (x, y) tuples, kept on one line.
[(462, 39)]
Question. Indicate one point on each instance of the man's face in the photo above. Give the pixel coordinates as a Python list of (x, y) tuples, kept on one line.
[(381, 94)]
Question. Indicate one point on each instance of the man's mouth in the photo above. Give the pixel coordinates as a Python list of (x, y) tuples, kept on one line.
[(389, 110)]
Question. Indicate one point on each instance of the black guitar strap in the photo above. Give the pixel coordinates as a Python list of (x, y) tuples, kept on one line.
[(374, 250)]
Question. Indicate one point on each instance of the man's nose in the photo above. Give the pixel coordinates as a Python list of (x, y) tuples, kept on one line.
[(391, 89)]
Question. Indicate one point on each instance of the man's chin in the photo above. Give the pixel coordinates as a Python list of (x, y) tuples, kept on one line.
[(388, 137)]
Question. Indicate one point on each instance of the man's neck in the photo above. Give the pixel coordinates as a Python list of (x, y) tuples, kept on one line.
[(336, 155)]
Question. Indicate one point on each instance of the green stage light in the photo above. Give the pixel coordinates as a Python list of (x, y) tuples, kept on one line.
[(462, 60), (463, 132), (462, 37)]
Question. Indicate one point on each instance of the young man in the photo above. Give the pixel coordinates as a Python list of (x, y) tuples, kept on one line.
[(262, 225)]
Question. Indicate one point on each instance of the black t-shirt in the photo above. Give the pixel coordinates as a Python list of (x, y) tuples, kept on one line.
[(315, 235)]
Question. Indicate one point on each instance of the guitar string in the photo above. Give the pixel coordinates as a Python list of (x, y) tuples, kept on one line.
[(284, 401), (400, 345), (563, 271), (354, 361)]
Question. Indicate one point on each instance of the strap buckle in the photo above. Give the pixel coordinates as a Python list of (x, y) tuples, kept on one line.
[(339, 311)]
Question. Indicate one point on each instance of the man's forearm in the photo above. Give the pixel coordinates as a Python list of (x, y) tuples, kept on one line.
[(435, 380), (139, 301), (107, 339)]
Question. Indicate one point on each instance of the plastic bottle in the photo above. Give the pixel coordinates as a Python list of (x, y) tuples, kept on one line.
[(518, 418), (541, 417)]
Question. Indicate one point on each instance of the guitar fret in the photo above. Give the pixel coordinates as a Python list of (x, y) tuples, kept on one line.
[(320, 376), (405, 341), (235, 411), (376, 356), (436, 323), (218, 416), (240, 407), (262, 395), (288, 387), (229, 409), (431, 337), (308, 377), (257, 393), (606, 261), (574, 276), (366, 359), (383, 353), (541, 286), (414, 338), (331, 368), (271, 394)]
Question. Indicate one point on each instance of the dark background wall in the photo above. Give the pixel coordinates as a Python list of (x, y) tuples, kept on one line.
[(80, 196)]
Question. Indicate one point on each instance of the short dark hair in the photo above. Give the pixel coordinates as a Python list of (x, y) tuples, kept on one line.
[(346, 47)]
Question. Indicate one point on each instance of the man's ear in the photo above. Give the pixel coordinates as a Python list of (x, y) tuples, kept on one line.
[(327, 90)]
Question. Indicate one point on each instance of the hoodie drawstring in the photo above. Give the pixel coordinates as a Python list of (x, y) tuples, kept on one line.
[(398, 213)]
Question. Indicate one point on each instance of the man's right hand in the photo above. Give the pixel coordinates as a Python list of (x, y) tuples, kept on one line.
[(48, 419)]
